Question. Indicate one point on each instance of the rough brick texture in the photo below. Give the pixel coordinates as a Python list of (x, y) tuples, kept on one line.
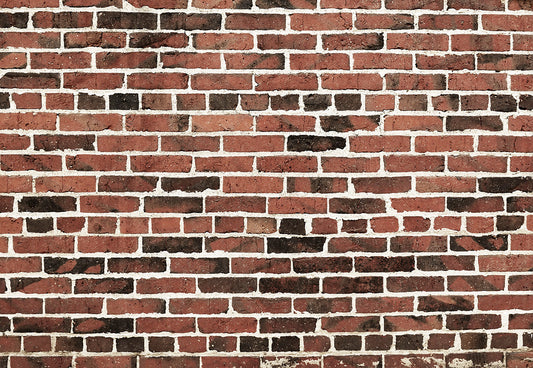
[(266, 183)]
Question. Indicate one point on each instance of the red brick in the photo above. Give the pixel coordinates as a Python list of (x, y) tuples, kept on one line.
[(135, 306), (477, 82), (405, 122), (157, 123), (290, 41), (112, 60), (94, 361), (95, 81), (382, 61), (221, 81), (350, 41), (371, 82), (90, 122), (227, 41), (107, 244), (472, 42), (167, 324), (159, 101), (224, 164), (500, 22), (302, 81), (216, 123), (382, 21), (259, 184), (159, 4), (419, 41), (254, 61), (166, 285), (380, 143), (227, 325), (446, 21), (157, 81), (71, 60), (414, 163), (42, 19), (444, 144), (285, 123), (319, 61), (190, 60), (321, 22), (235, 204), (65, 184), (74, 305), (27, 100), (199, 306), (415, 81), (297, 205), (60, 101), (53, 244), (445, 62), (96, 39), (522, 83)]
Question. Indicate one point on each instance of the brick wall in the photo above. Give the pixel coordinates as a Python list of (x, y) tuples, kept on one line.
[(268, 183)]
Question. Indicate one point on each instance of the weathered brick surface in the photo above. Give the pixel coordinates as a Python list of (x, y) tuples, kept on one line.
[(260, 183)]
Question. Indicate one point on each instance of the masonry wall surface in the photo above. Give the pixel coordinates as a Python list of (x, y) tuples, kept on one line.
[(266, 183)]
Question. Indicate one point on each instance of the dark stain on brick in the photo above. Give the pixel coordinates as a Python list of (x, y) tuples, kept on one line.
[(74, 266), (124, 101), (520, 204), (172, 245), (506, 184), (6, 204), (443, 263), (30, 80), (223, 101), (444, 304), (64, 142), (285, 343), (196, 184), (526, 102), (300, 143), (468, 243), (350, 285), (47, 204), (348, 342), (39, 225), (295, 244), (384, 264), (104, 285), (127, 265), (316, 102), (509, 223), (130, 344), (298, 285), (17, 20), (191, 22), (227, 285), (491, 123), (292, 226), (103, 325), (4, 100), (503, 103), (41, 324), (358, 205), (123, 20), (252, 344), (90, 102)]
